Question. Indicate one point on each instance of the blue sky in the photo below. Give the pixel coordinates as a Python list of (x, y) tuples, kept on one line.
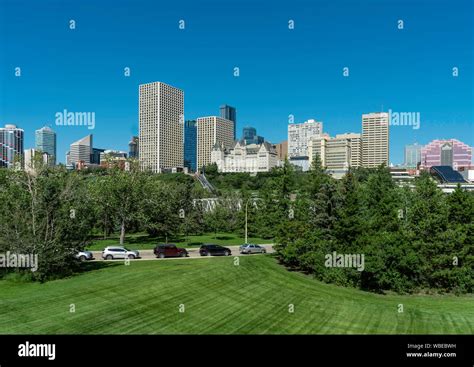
[(282, 71)]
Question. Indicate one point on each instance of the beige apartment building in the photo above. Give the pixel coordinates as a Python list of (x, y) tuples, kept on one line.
[(336, 154), (375, 138), (161, 124), (355, 146), (212, 130)]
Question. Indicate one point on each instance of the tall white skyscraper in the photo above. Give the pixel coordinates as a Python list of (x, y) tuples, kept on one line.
[(375, 144), (299, 136), (210, 131), (81, 151), (161, 124)]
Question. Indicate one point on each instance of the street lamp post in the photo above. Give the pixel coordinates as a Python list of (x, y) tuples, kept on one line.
[(246, 207), (246, 217)]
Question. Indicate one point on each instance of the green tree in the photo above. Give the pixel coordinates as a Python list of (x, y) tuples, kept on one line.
[(47, 213)]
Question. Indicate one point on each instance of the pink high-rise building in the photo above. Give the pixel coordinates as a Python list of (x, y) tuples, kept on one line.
[(450, 152)]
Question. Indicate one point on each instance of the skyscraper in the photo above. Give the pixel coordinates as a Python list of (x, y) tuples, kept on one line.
[(210, 131), (11, 146), (190, 145), (412, 155), (375, 143), (229, 113), (355, 145), (336, 154), (133, 147), (81, 151), (249, 136), (161, 120), (299, 136), (249, 133), (45, 141), (96, 155)]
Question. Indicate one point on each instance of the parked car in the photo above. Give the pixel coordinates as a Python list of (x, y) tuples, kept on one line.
[(118, 252), (84, 255), (250, 248), (210, 249), (169, 250)]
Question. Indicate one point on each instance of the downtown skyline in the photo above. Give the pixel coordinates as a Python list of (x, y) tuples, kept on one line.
[(282, 72)]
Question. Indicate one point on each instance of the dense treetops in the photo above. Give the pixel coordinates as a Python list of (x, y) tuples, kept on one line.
[(411, 240)]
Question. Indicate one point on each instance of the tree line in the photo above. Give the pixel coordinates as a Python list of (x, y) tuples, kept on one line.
[(413, 239)]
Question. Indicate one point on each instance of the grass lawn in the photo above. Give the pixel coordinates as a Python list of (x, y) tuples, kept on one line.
[(144, 242), (218, 297)]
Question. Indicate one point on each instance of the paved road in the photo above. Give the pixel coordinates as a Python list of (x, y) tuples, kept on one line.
[(193, 253)]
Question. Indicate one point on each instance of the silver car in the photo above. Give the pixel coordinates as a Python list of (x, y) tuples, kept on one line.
[(118, 252), (84, 255), (250, 248)]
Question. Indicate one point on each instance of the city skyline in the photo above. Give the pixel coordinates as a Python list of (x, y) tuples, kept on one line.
[(282, 77)]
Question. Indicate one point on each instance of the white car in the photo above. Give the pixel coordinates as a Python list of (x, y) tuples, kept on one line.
[(84, 255), (250, 248), (118, 252)]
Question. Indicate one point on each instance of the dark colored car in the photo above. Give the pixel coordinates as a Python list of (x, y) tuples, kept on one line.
[(169, 250), (210, 249)]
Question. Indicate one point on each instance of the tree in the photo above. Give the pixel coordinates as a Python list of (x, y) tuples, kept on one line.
[(460, 206), (100, 188), (125, 195), (161, 208), (349, 224), (47, 213), (381, 201)]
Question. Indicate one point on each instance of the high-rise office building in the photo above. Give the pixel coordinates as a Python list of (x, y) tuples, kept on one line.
[(449, 152), (81, 151), (210, 131), (375, 139), (249, 136), (96, 155), (299, 136), (133, 147), (355, 145), (45, 141), (412, 155), (229, 113), (249, 133), (336, 154), (161, 120), (190, 145), (11, 146)]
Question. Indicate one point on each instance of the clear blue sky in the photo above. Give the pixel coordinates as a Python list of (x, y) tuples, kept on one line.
[(282, 71)]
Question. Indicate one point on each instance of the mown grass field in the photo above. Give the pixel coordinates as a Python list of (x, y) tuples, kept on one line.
[(144, 242), (220, 298)]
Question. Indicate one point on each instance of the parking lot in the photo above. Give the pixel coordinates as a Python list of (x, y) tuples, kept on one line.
[(193, 253)]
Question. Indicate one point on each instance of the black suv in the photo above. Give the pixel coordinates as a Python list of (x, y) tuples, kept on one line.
[(210, 249), (169, 250)]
